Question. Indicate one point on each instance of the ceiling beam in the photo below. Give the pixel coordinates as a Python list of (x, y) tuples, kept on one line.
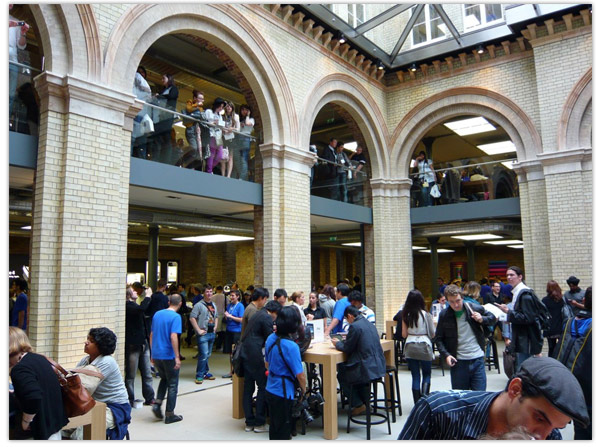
[(381, 18), (404, 34), (448, 22)]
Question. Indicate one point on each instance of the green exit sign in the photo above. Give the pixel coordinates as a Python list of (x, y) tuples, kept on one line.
[(333, 238)]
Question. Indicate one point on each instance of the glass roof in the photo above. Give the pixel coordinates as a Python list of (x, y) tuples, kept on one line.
[(400, 34)]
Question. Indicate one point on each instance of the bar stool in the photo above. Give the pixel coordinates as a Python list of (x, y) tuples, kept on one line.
[(390, 402), (381, 418), (493, 359)]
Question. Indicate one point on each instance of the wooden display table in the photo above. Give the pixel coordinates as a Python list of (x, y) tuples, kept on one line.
[(93, 422), (326, 355)]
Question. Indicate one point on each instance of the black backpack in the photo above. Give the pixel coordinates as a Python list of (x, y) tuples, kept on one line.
[(544, 317)]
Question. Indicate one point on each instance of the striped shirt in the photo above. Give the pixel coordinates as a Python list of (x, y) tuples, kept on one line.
[(452, 415)]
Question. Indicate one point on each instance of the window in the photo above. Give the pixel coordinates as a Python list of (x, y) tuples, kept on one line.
[(351, 13), (428, 27), (479, 15)]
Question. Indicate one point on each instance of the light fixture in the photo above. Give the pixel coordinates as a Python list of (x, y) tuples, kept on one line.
[(342, 38), (439, 250), (213, 238), (416, 247), (516, 246), (413, 67), (380, 65), (470, 126), (502, 147), (504, 242), (477, 237), (480, 49), (353, 244), (26, 227), (351, 146)]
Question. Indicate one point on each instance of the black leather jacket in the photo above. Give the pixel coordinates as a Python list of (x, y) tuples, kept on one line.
[(525, 328), (446, 336)]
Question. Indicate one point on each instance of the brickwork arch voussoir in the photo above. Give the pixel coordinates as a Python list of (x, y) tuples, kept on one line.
[(575, 131)]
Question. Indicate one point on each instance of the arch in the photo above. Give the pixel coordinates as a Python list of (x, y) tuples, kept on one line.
[(345, 91), (143, 24), (455, 102), (575, 125)]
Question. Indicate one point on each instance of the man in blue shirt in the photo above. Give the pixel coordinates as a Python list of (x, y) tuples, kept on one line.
[(341, 305), (543, 397), (166, 326), (19, 311)]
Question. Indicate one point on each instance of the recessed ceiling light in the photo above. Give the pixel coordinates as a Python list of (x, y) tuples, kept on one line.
[(516, 246), (351, 146), (213, 238), (504, 242), (477, 237), (26, 227), (439, 250), (470, 126), (353, 244), (416, 247), (502, 147)]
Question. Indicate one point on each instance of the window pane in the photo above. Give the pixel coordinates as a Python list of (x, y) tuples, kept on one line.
[(419, 34), (493, 12), (472, 17)]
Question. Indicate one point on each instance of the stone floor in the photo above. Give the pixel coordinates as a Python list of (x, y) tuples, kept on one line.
[(207, 408)]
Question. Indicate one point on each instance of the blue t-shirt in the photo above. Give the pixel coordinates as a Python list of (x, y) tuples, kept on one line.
[(19, 305), (236, 310), (165, 322), (278, 368), (338, 312)]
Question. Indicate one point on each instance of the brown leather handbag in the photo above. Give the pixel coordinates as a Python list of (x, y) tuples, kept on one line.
[(77, 400)]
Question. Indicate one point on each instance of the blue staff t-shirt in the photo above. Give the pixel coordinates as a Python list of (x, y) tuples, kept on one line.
[(278, 368), (19, 305), (237, 310), (165, 323), (338, 312)]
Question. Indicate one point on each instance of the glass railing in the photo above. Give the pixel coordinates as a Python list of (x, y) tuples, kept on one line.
[(174, 138), (461, 181), (339, 182), (23, 106)]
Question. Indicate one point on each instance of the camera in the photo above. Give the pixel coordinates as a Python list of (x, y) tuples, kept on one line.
[(308, 408)]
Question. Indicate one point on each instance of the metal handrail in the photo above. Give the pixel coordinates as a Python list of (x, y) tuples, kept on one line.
[(413, 174), (18, 64), (343, 167)]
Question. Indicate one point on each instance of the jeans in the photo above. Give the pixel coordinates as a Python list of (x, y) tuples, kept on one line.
[(415, 366), (342, 180), (519, 359), (191, 136), (425, 198), (215, 157), (254, 419), (240, 156), (353, 393), (169, 382), (205, 343), (469, 375), (138, 356), (13, 77)]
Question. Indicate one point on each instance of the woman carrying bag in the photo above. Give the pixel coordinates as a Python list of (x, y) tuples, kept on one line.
[(418, 330)]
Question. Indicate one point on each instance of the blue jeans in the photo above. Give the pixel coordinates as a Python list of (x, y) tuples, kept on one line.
[(205, 343), (469, 375), (169, 382), (138, 356), (519, 359), (415, 366)]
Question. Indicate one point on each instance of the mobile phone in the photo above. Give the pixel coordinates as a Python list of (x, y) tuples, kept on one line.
[(20, 23)]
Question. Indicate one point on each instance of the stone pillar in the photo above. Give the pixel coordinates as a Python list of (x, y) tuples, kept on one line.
[(471, 252), (535, 224), (79, 230), (153, 257), (434, 266), (393, 268), (286, 218), (568, 182)]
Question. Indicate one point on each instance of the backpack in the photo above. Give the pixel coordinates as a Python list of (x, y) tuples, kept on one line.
[(544, 317), (569, 349)]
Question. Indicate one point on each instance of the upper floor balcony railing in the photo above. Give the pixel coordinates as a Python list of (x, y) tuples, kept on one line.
[(23, 109), (345, 183), (461, 181)]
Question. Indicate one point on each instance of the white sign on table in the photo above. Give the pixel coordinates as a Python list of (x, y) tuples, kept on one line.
[(317, 329)]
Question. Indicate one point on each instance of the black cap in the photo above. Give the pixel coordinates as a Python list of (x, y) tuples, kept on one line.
[(138, 285), (573, 280), (558, 385)]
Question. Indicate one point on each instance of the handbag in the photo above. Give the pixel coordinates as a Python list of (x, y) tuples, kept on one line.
[(225, 154), (435, 192), (75, 397), (419, 350)]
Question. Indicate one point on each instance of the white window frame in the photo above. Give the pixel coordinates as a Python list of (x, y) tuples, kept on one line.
[(483, 23), (427, 23)]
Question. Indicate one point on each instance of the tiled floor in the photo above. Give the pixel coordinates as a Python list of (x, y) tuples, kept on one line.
[(207, 409)]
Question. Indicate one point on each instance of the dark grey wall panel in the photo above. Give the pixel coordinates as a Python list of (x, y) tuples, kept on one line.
[(22, 150), (482, 209), (320, 206)]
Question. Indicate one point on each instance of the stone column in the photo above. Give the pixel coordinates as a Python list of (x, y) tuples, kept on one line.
[(393, 268), (153, 257), (568, 183), (286, 218), (434, 266), (79, 230), (471, 252)]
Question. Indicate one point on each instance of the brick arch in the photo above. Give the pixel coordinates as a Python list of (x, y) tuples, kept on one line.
[(143, 24), (575, 125), (52, 26), (455, 102), (346, 92)]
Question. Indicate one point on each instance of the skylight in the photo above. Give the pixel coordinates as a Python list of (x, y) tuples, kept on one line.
[(502, 147), (470, 126)]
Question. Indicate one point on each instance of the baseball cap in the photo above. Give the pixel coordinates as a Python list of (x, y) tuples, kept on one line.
[(558, 385), (573, 280), (138, 285)]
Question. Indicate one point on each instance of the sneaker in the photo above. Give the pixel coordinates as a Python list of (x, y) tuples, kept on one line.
[(227, 376), (262, 428), (170, 419), (209, 376), (198, 381), (248, 428), (157, 411)]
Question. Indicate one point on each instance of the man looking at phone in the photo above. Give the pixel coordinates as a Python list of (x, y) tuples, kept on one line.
[(460, 340)]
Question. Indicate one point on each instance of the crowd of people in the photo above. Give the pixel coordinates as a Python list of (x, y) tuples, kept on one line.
[(543, 393)]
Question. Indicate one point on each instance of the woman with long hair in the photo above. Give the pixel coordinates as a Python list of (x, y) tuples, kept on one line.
[(232, 123), (314, 311), (327, 301), (36, 390), (163, 131), (297, 299), (242, 143), (215, 120), (427, 177), (554, 303), (418, 330), (471, 292)]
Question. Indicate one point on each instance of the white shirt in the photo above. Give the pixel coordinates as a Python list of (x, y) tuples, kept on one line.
[(517, 290), (14, 35)]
